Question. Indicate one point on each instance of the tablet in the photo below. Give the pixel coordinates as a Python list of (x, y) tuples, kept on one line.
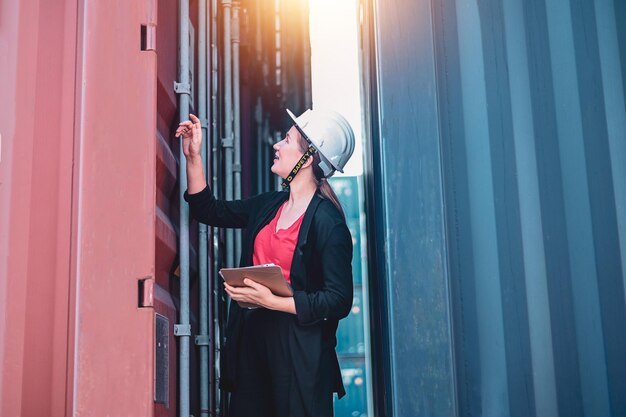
[(269, 275)]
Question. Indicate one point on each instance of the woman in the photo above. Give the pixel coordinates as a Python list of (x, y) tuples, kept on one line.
[(280, 360)]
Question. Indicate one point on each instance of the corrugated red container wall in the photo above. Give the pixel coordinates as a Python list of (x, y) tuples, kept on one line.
[(87, 189)]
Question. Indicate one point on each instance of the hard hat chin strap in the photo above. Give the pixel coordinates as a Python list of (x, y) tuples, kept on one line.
[(309, 153)]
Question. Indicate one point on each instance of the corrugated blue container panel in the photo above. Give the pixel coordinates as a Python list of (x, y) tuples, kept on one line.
[(412, 347), (501, 123), (354, 404)]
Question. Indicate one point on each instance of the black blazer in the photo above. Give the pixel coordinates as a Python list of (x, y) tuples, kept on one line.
[(321, 278)]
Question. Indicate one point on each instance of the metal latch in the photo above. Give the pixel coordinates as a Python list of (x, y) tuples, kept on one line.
[(182, 330), (202, 340), (182, 88)]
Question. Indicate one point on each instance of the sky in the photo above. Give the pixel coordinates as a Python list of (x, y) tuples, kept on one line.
[(334, 66)]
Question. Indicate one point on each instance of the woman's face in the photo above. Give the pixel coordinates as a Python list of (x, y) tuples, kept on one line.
[(287, 153)]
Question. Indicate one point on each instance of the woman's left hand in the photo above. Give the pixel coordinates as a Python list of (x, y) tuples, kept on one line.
[(254, 293)]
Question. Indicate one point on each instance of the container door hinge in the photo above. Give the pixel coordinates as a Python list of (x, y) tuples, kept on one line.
[(148, 37), (145, 292)]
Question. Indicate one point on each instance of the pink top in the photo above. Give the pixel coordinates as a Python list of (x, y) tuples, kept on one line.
[(277, 247)]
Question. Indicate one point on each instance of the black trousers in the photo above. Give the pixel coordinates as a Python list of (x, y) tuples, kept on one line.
[(265, 384)]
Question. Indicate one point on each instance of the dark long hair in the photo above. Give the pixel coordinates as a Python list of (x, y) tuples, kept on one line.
[(318, 174)]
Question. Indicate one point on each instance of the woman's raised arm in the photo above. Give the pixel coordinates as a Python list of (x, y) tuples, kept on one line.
[(204, 207), (191, 133)]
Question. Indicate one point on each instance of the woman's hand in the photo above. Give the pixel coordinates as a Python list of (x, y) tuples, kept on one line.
[(253, 292), (259, 294), (191, 131)]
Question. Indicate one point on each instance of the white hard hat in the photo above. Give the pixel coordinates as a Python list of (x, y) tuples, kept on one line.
[(331, 136)]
